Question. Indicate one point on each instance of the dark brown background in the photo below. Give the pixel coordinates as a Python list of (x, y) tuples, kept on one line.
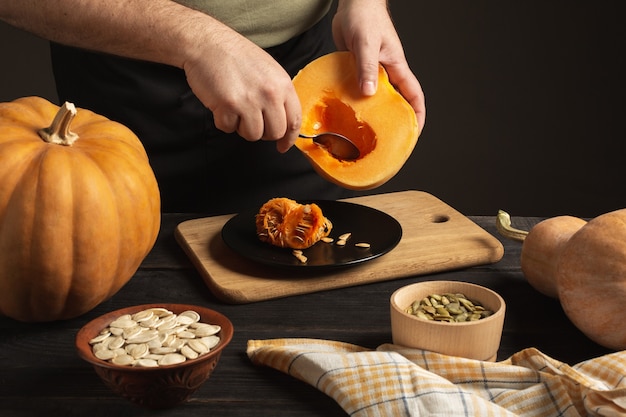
[(525, 102)]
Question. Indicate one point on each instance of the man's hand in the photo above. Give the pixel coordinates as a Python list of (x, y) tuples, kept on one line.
[(246, 89), (365, 28)]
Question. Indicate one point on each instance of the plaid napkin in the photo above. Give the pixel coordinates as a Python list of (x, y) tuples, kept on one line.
[(397, 381)]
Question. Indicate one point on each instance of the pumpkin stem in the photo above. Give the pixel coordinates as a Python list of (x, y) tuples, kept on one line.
[(59, 131), (503, 224)]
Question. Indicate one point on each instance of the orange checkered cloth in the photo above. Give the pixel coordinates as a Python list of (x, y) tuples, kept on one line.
[(397, 381)]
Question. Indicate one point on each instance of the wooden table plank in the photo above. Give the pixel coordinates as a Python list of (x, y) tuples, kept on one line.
[(40, 374)]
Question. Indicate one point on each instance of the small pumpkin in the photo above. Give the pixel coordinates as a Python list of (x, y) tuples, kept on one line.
[(79, 209), (383, 126), (285, 223), (581, 263)]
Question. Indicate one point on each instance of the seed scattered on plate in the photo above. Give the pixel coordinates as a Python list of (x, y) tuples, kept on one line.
[(342, 240), (155, 337), (345, 236), (299, 255)]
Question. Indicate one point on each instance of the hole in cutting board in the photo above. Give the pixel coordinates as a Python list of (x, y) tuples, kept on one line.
[(439, 218)]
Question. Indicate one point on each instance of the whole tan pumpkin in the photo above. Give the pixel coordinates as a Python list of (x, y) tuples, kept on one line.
[(79, 209), (583, 264)]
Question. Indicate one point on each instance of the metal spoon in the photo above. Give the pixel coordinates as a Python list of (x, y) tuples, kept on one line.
[(338, 145)]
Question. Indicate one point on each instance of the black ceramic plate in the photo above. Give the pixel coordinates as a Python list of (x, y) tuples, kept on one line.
[(366, 224)]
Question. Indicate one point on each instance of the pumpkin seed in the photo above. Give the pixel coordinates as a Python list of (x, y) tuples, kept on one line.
[(116, 342), (188, 352), (124, 322), (298, 254), (172, 359), (138, 350), (188, 317), (143, 315), (123, 359), (210, 341), (199, 346), (104, 354), (102, 336), (155, 337), (207, 330), (448, 308), (146, 363), (345, 236)]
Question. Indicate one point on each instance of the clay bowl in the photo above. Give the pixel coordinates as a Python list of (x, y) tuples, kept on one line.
[(478, 339), (155, 387)]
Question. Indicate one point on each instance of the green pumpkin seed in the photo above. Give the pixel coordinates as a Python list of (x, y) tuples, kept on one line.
[(451, 307)]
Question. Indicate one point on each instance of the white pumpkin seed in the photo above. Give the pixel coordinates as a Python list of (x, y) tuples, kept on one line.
[(188, 317), (172, 359), (146, 363), (164, 350), (143, 316), (100, 338), (104, 354), (116, 342), (188, 352), (199, 346), (138, 350), (123, 360), (210, 341), (131, 332), (144, 336), (123, 323), (207, 330)]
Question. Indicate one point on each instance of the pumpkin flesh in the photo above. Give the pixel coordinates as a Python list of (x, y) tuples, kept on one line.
[(285, 223), (384, 126)]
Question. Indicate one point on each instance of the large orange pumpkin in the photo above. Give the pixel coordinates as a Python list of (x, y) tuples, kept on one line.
[(79, 209), (581, 263), (383, 126)]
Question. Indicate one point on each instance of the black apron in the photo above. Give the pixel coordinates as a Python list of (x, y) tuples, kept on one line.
[(198, 167)]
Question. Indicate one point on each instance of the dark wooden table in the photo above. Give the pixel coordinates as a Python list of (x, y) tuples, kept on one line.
[(40, 373)]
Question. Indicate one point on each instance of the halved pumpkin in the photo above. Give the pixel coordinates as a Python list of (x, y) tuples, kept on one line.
[(383, 126)]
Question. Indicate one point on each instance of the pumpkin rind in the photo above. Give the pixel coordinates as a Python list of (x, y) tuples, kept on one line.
[(384, 126), (542, 247), (75, 221), (591, 279)]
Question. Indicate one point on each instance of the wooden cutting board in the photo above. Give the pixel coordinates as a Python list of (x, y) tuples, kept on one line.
[(435, 238)]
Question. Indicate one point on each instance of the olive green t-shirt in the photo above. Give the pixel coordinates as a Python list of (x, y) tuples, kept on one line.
[(266, 23)]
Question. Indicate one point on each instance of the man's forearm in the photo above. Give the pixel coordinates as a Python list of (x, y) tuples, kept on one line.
[(155, 30)]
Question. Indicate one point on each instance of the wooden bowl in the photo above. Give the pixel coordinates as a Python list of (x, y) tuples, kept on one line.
[(478, 339), (157, 387)]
